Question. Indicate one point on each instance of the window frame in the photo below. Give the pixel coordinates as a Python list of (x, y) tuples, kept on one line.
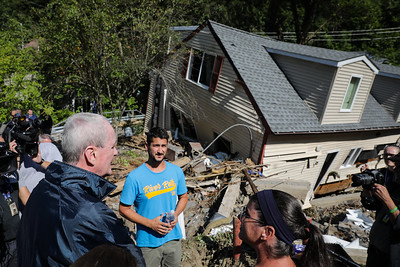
[(190, 67), (342, 109), (351, 157)]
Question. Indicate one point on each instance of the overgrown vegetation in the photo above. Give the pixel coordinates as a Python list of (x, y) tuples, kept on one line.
[(100, 53)]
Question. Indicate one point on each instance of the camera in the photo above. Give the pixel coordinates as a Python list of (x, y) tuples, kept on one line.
[(367, 178), (24, 132), (8, 159)]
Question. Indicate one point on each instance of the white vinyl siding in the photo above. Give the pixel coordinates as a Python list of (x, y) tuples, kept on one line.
[(310, 152), (333, 113), (216, 112)]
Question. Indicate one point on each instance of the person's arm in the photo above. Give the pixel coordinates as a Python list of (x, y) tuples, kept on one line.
[(24, 194), (39, 160), (383, 195), (155, 224)]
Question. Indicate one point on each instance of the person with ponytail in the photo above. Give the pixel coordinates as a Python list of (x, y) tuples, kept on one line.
[(273, 223)]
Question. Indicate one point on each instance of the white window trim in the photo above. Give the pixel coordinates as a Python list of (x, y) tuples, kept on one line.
[(355, 95), (189, 72), (352, 157)]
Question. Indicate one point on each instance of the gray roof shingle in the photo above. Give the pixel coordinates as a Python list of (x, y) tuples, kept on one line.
[(279, 103)]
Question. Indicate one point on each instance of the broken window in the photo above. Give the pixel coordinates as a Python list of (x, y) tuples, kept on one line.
[(351, 92), (351, 157), (204, 69)]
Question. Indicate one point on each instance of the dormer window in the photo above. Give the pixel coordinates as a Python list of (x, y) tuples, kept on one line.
[(351, 93)]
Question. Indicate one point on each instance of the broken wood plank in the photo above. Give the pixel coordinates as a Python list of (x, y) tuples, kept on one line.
[(181, 161), (252, 185), (231, 194), (219, 170), (357, 255), (138, 147)]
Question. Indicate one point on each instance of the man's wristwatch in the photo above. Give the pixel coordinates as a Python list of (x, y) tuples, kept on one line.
[(41, 162)]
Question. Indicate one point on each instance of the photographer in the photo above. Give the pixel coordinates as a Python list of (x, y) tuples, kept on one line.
[(9, 219), (32, 170), (384, 245)]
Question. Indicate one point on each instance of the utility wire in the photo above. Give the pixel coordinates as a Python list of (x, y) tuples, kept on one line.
[(347, 39), (342, 31), (348, 34)]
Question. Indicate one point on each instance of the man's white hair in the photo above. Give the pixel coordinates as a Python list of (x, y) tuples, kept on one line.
[(80, 131)]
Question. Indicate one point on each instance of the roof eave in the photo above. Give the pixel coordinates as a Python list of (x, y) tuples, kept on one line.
[(325, 61)]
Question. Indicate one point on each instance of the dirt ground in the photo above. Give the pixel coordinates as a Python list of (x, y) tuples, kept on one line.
[(215, 250)]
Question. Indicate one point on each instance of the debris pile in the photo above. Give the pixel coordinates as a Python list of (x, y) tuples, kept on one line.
[(219, 187)]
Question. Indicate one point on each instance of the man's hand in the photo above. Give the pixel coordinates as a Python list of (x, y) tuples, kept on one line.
[(161, 227)]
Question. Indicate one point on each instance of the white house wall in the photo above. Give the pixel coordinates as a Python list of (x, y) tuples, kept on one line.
[(310, 151), (216, 112), (332, 114)]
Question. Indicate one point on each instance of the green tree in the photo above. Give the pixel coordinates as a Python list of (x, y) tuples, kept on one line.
[(105, 50), (20, 80)]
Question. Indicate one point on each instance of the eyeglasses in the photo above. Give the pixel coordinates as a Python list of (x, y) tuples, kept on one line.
[(245, 214), (388, 155)]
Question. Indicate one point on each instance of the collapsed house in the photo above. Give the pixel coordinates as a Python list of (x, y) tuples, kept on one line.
[(310, 115)]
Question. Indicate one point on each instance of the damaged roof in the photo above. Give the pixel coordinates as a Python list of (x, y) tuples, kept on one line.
[(280, 104)]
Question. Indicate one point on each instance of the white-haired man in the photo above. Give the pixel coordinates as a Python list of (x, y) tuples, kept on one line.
[(65, 216)]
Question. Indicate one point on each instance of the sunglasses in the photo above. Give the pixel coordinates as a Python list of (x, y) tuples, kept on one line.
[(245, 214), (388, 155)]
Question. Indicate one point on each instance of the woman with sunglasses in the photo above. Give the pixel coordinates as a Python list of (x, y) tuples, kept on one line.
[(274, 224)]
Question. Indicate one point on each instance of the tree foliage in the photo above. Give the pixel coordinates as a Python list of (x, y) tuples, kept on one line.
[(20, 80), (104, 50), (348, 25)]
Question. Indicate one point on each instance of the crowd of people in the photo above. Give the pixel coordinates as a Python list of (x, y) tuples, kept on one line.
[(52, 211)]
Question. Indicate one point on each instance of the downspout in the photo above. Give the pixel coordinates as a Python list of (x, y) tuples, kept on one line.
[(164, 104), (264, 145)]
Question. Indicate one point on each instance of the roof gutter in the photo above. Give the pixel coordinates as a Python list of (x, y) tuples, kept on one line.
[(337, 131)]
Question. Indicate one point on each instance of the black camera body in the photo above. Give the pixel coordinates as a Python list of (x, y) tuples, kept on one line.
[(8, 159), (367, 178), (24, 132)]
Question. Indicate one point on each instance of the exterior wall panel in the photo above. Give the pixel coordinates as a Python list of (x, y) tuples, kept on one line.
[(214, 113), (301, 157), (333, 113)]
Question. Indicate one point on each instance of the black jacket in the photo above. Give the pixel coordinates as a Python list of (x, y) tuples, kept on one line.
[(65, 217)]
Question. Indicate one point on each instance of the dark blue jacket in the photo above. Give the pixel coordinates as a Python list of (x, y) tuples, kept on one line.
[(65, 217)]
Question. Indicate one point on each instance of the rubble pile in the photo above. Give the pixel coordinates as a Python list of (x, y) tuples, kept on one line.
[(219, 188)]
